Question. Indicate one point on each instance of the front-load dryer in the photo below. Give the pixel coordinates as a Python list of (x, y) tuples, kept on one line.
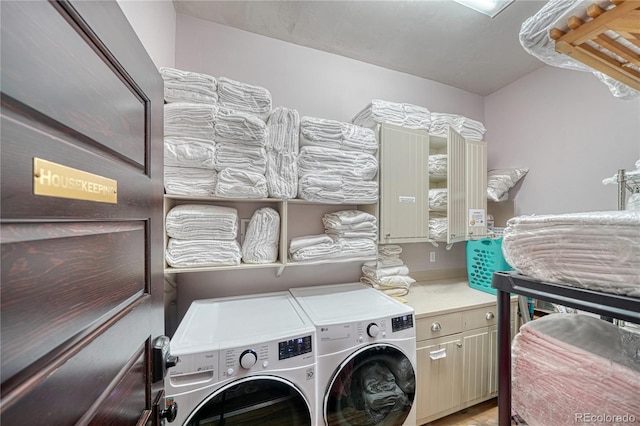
[(246, 360), (366, 355)]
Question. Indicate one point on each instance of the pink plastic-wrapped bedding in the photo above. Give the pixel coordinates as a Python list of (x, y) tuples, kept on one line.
[(598, 251), (570, 369)]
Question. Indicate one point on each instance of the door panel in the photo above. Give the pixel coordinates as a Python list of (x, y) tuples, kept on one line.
[(81, 292)]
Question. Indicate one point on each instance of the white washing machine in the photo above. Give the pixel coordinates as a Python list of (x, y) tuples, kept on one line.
[(366, 355), (244, 361)]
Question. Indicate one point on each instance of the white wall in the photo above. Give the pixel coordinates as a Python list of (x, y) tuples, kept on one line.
[(317, 84), (154, 21), (570, 131)]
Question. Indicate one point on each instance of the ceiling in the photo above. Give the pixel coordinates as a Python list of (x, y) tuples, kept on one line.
[(439, 40)]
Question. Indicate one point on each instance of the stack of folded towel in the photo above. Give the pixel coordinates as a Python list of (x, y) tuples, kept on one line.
[(283, 129), (262, 237), (336, 164), (468, 128), (400, 114), (348, 234), (438, 227), (388, 273), (241, 138), (202, 235), (189, 148), (187, 86)]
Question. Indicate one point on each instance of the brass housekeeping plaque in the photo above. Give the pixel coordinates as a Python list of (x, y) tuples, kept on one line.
[(55, 180)]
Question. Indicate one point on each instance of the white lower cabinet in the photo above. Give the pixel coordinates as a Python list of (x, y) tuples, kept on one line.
[(457, 361)]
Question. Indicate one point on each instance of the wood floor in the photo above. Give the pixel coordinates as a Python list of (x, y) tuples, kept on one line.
[(484, 414)]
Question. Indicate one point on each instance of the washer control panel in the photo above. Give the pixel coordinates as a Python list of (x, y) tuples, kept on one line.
[(294, 347)]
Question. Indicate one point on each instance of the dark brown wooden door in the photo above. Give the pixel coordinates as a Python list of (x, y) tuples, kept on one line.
[(81, 292)]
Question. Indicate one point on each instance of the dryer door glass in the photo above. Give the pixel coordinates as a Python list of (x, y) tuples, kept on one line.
[(375, 386), (254, 401)]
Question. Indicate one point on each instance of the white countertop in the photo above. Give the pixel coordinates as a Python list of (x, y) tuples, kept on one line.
[(443, 296)]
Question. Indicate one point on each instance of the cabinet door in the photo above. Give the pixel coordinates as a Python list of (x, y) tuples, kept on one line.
[(404, 159), (477, 351), (439, 376), (476, 188), (456, 184)]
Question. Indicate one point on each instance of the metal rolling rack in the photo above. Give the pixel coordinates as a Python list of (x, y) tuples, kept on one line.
[(606, 304), (630, 182)]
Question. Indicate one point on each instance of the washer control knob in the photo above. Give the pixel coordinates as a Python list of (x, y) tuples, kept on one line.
[(230, 372), (373, 330), (248, 359)]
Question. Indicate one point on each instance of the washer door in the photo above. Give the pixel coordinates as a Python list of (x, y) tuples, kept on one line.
[(374, 386), (269, 401)]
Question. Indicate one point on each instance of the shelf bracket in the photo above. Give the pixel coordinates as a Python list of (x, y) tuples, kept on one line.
[(433, 243), (448, 247), (280, 270)]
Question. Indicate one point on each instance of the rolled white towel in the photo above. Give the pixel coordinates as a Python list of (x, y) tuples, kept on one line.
[(262, 237)]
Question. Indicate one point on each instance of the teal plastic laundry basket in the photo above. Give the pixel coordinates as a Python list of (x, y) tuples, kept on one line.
[(484, 257)]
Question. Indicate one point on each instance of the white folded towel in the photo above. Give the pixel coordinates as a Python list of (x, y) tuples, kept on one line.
[(245, 97), (189, 152), (262, 237), (202, 222), (189, 120), (202, 253), (390, 249), (438, 228), (331, 189), (347, 217), (438, 199), (438, 165), (249, 158), (240, 128), (190, 181), (337, 135), (282, 175), (315, 159), (237, 183), (188, 86), (375, 271), (468, 128), (400, 114), (283, 130), (299, 243)]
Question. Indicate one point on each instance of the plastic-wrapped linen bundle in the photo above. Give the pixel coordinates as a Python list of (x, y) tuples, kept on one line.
[(337, 135), (351, 224), (189, 120), (468, 128), (283, 131), (250, 158), (400, 114), (438, 165), (244, 97), (332, 189), (240, 128), (438, 199), (313, 247), (237, 183), (188, 86), (202, 253), (282, 175), (260, 243), (566, 367), (315, 159), (438, 228), (202, 222), (597, 251), (189, 152), (190, 181)]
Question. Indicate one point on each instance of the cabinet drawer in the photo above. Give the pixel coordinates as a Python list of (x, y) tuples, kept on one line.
[(440, 325), (480, 317)]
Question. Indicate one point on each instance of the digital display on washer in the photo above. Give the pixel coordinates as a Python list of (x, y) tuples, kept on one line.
[(401, 323), (294, 347)]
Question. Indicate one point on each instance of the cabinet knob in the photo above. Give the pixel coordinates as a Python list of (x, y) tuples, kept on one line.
[(459, 344), (436, 326), (489, 316)]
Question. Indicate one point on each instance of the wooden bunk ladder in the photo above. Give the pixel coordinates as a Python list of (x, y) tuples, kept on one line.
[(587, 42)]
